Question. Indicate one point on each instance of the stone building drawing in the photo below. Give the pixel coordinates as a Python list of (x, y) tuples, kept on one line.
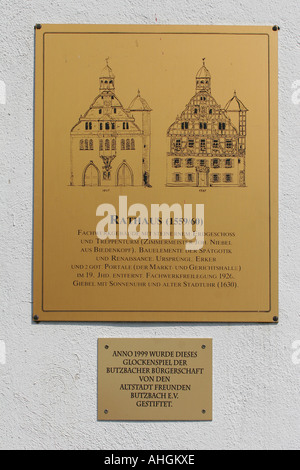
[(110, 145), (207, 143)]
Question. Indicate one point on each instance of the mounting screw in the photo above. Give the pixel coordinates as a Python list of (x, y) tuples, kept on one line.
[(203, 412), (276, 28), (106, 346), (275, 318), (105, 412), (38, 26), (36, 318), (203, 346)]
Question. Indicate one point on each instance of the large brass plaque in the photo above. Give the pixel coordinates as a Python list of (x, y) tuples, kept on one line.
[(183, 115), (155, 379)]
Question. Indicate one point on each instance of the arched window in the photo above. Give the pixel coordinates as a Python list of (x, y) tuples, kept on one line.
[(90, 126), (107, 125), (91, 144), (86, 126), (81, 145), (100, 144), (107, 144), (122, 144), (101, 126), (113, 144), (132, 144), (127, 144), (86, 144)]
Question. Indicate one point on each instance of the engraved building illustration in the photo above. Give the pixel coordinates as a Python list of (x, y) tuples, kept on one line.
[(207, 143), (110, 145)]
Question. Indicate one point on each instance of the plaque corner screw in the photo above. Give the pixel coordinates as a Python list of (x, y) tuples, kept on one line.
[(36, 318), (38, 26), (204, 412), (106, 412), (203, 346), (275, 319), (276, 28), (106, 346)]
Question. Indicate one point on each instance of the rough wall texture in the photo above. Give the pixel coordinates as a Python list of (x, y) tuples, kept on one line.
[(48, 378)]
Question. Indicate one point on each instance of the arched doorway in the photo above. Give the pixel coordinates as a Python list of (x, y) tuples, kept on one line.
[(124, 175), (91, 175)]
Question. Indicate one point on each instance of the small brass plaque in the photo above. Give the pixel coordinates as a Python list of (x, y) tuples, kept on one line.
[(155, 379)]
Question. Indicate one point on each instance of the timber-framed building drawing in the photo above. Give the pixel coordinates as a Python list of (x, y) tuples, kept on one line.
[(207, 143)]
